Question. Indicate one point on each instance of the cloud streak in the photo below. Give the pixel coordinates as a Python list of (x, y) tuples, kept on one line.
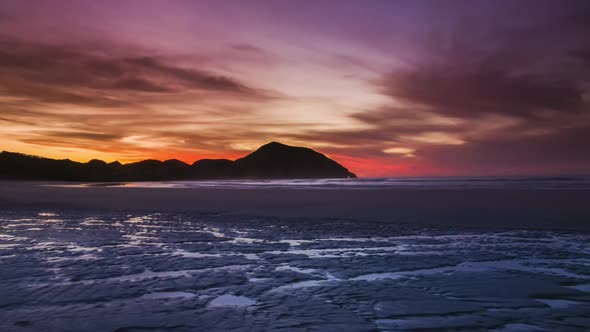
[(67, 66)]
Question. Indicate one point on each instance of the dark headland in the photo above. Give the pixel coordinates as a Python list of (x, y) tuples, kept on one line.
[(271, 161)]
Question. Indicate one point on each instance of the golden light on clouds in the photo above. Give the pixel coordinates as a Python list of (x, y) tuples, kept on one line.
[(406, 152), (435, 138)]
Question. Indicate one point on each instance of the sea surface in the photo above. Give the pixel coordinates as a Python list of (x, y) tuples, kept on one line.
[(556, 182), (123, 271)]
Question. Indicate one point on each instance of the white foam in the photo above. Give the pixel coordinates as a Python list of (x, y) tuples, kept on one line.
[(294, 243), (168, 274), (191, 254), (47, 214), (138, 220), (336, 252), (295, 269), (301, 284), (214, 231), (228, 300)]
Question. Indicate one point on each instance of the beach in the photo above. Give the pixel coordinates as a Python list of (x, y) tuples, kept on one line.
[(114, 257)]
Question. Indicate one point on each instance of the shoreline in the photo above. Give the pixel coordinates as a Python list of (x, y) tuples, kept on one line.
[(566, 209)]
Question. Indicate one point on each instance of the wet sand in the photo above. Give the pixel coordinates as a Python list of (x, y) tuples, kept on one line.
[(555, 208), (72, 270)]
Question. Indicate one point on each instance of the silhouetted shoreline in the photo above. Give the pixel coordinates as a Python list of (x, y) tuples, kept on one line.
[(271, 161)]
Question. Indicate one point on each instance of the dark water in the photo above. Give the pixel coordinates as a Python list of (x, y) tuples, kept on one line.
[(82, 270)]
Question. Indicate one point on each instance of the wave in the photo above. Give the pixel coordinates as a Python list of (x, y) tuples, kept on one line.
[(553, 182)]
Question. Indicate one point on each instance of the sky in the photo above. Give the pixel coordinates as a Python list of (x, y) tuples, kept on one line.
[(386, 88)]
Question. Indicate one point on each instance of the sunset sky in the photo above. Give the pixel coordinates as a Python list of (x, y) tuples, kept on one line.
[(387, 88)]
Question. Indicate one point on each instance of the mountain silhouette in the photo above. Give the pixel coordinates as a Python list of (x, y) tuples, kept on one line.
[(271, 161), (276, 160)]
